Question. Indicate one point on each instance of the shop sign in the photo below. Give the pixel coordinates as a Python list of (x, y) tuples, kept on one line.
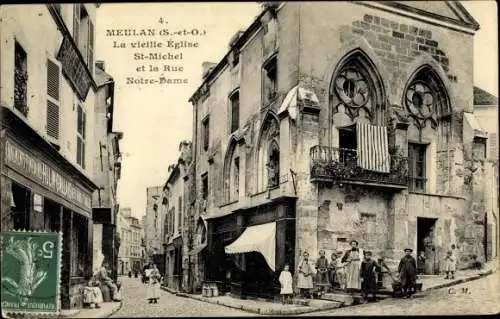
[(45, 175), (74, 69), (31, 263)]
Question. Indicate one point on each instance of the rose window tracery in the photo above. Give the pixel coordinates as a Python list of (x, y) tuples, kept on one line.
[(425, 99), (354, 92), (420, 102)]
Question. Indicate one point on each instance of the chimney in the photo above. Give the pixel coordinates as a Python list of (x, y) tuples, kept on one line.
[(235, 38), (100, 65), (207, 67)]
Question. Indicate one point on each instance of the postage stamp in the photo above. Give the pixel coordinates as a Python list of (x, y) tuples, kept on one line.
[(31, 270)]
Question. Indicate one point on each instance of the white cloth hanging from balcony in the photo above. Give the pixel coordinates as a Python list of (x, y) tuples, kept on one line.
[(373, 148)]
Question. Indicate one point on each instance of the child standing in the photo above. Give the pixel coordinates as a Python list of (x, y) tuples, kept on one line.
[(368, 274), (450, 264), (421, 263), (332, 270), (286, 281)]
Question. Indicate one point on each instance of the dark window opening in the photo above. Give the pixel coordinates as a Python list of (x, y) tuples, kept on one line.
[(20, 211), (417, 163), (237, 175), (235, 111), (80, 137), (273, 165), (270, 80), (204, 180), (21, 79), (347, 143), (179, 221), (479, 148), (205, 133)]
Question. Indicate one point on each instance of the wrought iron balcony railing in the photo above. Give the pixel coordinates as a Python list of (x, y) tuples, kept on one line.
[(330, 164)]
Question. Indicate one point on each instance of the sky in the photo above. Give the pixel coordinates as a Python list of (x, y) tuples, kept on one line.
[(155, 118)]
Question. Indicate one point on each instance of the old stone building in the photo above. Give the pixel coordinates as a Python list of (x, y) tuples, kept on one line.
[(106, 172), (153, 222), (327, 122), (47, 137), (486, 112), (176, 220)]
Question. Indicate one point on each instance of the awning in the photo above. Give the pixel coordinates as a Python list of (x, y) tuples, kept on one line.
[(197, 249), (259, 238), (296, 94), (475, 126)]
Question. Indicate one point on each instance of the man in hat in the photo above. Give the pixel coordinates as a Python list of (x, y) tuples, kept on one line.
[(368, 276), (408, 272)]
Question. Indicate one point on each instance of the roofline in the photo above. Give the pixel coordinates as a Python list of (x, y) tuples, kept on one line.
[(252, 28), (397, 5)]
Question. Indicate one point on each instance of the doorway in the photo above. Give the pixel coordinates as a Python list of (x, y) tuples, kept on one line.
[(426, 243)]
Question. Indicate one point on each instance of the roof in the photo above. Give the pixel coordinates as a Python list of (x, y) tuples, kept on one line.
[(449, 11), (481, 97), (245, 35), (102, 78)]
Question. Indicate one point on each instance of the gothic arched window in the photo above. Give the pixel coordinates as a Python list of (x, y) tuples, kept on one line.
[(268, 154), (357, 92), (426, 99), (231, 172)]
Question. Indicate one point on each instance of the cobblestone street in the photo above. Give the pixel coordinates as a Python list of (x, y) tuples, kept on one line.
[(481, 297), (135, 304), (475, 297)]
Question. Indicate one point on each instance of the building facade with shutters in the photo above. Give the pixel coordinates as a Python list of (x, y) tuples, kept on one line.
[(331, 122), (106, 170), (130, 231), (177, 211), (47, 107)]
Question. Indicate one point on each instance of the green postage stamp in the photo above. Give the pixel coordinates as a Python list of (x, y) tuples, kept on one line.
[(31, 264)]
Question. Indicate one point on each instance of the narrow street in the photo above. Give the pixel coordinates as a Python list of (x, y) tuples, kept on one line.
[(481, 297), (473, 297), (135, 304)]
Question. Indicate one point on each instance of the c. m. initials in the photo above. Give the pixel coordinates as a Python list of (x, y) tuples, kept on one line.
[(463, 291)]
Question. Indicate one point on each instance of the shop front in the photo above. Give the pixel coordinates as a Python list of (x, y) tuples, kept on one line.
[(41, 190), (248, 249)]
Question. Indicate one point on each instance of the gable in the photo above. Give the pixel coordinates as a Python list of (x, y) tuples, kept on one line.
[(449, 11)]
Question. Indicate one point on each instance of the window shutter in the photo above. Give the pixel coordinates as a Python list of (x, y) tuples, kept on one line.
[(78, 150), (52, 120), (83, 154), (53, 80), (76, 22), (84, 124), (91, 48), (79, 119)]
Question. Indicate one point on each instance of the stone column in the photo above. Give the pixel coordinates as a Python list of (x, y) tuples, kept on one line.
[(285, 179), (307, 193), (397, 225)]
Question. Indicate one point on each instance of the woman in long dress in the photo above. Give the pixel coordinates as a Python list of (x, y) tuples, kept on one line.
[(353, 259), (154, 285), (305, 276)]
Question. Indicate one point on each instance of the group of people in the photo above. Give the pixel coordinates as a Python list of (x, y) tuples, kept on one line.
[(351, 271), (101, 279)]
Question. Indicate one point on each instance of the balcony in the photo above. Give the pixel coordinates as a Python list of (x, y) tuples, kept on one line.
[(339, 165)]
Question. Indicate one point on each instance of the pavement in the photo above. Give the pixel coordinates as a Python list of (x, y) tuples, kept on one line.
[(475, 297), (107, 309), (430, 283)]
